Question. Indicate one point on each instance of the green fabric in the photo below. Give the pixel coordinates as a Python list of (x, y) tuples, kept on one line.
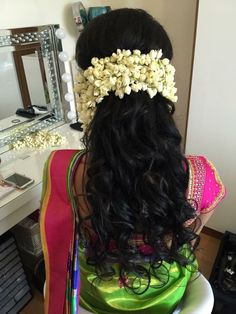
[(106, 297)]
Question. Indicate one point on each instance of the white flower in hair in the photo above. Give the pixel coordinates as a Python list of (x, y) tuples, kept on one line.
[(122, 73)]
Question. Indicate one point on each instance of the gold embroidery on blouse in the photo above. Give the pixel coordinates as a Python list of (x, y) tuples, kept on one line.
[(191, 180), (197, 178), (221, 193)]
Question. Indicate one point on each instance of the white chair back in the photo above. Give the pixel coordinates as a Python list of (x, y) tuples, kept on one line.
[(83, 311), (198, 298)]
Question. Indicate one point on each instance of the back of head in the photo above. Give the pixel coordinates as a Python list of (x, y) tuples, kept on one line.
[(137, 175), (121, 29)]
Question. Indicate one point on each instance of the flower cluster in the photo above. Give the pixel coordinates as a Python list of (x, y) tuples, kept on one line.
[(40, 140), (122, 73)]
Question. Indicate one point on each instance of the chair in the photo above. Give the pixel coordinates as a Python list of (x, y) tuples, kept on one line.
[(198, 298)]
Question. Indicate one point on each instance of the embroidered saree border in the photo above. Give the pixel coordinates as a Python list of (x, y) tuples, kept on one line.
[(46, 190)]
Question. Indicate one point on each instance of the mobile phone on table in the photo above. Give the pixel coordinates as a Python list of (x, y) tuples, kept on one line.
[(18, 180)]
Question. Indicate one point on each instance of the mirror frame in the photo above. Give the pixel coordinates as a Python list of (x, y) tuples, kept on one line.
[(50, 46)]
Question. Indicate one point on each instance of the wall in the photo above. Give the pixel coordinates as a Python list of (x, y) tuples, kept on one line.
[(34, 80), (11, 97), (212, 126), (178, 17)]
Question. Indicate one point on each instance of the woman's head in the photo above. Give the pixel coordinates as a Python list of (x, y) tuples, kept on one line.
[(121, 29), (136, 176), (122, 52)]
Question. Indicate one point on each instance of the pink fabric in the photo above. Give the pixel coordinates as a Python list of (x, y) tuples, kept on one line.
[(58, 224), (205, 186), (212, 188)]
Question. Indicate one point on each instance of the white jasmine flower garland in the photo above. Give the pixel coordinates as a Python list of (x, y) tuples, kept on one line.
[(123, 72), (40, 140)]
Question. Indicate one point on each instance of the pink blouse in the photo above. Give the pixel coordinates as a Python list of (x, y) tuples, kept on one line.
[(205, 186)]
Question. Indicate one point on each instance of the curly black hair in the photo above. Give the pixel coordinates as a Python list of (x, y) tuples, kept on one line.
[(137, 176)]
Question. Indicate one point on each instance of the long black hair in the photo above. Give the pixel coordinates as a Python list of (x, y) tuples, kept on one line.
[(137, 176)]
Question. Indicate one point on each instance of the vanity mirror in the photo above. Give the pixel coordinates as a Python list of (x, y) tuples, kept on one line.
[(30, 79)]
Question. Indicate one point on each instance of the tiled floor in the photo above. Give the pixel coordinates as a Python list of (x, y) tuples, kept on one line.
[(206, 254)]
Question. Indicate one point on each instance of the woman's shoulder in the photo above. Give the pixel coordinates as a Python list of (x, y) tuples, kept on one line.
[(205, 185), (65, 152), (63, 163), (64, 156)]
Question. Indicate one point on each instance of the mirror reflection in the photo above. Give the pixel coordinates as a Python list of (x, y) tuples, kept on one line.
[(29, 77), (23, 85)]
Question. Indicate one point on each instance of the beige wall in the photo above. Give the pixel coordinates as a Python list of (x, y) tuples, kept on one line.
[(212, 116), (178, 17)]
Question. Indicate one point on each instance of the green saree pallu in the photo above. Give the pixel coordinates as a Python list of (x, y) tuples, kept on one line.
[(166, 290), (70, 281)]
